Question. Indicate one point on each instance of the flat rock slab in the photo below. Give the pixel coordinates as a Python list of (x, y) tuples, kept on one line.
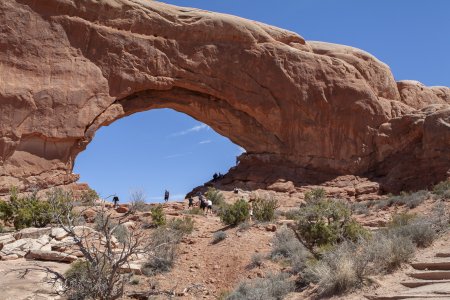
[(34, 286), (414, 284), (6, 239), (32, 233), (432, 275), (131, 268), (50, 256), (405, 297), (445, 265)]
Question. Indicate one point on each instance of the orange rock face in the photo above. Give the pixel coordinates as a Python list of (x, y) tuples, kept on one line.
[(69, 67)]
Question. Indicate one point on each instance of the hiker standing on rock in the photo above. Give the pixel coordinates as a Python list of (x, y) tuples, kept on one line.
[(191, 202), (166, 196)]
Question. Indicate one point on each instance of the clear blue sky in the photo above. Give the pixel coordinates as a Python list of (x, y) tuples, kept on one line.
[(160, 149)]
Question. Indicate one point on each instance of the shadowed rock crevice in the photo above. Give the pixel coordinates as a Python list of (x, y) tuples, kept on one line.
[(298, 108)]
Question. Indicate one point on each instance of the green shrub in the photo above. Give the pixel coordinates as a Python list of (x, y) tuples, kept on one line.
[(272, 287), (134, 281), (291, 214), (324, 222), (215, 196), (264, 209), (158, 215), (219, 236), (184, 225), (442, 190), (235, 213), (27, 211), (315, 195)]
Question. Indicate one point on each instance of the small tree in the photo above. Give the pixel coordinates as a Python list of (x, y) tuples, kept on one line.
[(235, 213), (98, 277), (322, 222), (158, 215)]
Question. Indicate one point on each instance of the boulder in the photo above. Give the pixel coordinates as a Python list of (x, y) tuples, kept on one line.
[(6, 239), (50, 256), (122, 209), (58, 233), (89, 215)]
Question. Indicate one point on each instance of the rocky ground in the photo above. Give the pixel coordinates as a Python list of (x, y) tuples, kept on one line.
[(203, 270)]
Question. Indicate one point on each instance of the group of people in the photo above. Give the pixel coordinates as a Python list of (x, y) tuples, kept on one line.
[(204, 203)]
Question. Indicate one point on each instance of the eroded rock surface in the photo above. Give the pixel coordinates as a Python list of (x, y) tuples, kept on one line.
[(299, 108)]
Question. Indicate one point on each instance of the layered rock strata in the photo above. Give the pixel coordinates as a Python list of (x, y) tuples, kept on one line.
[(69, 67)]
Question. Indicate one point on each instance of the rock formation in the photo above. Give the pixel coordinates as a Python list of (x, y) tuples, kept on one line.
[(68, 67)]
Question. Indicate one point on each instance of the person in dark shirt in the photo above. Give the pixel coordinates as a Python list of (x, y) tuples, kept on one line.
[(166, 196)]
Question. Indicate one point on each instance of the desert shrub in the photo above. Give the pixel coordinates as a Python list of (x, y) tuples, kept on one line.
[(88, 197), (256, 261), (264, 209), (137, 201), (219, 236), (121, 233), (158, 215), (442, 190), (324, 222), (233, 214), (387, 251), (162, 250), (184, 225), (273, 287), (134, 281), (336, 272), (194, 211), (285, 245), (411, 200), (291, 214), (244, 226), (315, 195), (422, 231), (215, 196), (79, 284), (360, 208), (26, 211), (346, 265)]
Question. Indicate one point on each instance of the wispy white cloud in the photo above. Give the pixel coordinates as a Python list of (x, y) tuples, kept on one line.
[(205, 142), (176, 155), (196, 128)]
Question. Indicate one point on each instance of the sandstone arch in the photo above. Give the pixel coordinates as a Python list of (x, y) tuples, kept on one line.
[(69, 67)]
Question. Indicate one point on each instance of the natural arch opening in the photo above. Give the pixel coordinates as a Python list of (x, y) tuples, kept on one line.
[(152, 151)]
